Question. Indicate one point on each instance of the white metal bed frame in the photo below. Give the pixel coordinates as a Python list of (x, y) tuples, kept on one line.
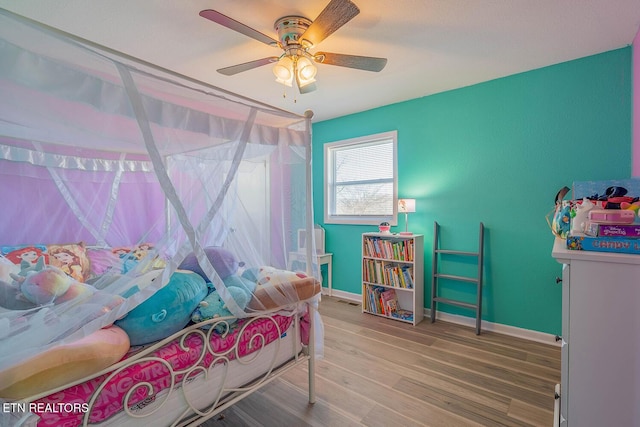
[(226, 395)]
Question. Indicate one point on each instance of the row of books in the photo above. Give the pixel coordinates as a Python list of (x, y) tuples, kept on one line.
[(384, 301), (399, 250), (385, 273)]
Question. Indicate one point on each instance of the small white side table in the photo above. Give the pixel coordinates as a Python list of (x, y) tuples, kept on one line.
[(323, 259)]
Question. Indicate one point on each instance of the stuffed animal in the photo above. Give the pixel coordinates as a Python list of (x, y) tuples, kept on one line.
[(223, 261), (47, 286), (277, 288), (167, 311), (213, 306), (12, 299), (268, 275), (581, 216), (50, 285), (64, 363), (251, 274), (247, 285)]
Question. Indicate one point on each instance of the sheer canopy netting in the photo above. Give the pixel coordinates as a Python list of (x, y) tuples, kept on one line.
[(135, 172)]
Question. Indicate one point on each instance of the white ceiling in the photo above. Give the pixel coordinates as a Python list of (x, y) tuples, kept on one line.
[(431, 45)]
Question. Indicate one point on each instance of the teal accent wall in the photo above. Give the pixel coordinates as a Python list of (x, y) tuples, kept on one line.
[(495, 152)]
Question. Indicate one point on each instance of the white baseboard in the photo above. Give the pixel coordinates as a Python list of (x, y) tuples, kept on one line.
[(513, 331)]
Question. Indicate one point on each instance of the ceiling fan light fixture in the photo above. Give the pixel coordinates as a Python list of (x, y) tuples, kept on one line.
[(306, 70), (283, 70)]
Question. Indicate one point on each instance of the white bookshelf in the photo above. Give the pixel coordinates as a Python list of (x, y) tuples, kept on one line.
[(394, 263)]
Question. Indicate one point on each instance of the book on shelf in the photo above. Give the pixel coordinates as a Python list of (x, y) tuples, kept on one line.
[(388, 248), (388, 273), (391, 307), (381, 300), (404, 315), (373, 299), (407, 276), (386, 297)]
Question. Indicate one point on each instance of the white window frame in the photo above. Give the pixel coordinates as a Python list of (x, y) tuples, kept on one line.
[(329, 181)]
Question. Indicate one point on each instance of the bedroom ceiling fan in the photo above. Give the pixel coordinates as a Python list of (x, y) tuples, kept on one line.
[(297, 35)]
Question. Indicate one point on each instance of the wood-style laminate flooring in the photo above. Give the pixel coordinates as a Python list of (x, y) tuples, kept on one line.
[(380, 372)]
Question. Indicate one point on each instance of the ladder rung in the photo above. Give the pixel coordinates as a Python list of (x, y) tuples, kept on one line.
[(453, 277), (455, 302), (450, 252)]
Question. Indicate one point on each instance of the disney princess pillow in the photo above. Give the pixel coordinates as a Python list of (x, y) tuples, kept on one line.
[(70, 258)]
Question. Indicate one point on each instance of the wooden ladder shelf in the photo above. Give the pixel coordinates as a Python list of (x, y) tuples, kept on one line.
[(435, 299)]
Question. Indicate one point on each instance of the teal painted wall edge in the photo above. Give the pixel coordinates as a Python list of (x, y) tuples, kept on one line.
[(495, 152)]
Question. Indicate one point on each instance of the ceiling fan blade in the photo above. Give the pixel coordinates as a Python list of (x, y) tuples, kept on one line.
[(335, 15), (235, 69), (225, 21), (367, 63)]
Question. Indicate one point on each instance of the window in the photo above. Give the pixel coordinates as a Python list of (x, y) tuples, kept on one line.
[(361, 180)]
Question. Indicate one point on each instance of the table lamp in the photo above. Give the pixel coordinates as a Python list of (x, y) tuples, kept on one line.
[(405, 206)]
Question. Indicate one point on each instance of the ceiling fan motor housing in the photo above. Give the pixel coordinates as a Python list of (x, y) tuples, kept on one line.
[(289, 29)]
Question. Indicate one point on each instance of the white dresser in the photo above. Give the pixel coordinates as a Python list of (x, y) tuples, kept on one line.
[(600, 373)]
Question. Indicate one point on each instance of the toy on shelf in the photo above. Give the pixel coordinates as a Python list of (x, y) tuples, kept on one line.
[(580, 218), (384, 228), (606, 219)]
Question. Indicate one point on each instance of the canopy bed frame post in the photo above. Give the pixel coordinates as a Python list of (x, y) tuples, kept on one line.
[(310, 232), (312, 353)]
